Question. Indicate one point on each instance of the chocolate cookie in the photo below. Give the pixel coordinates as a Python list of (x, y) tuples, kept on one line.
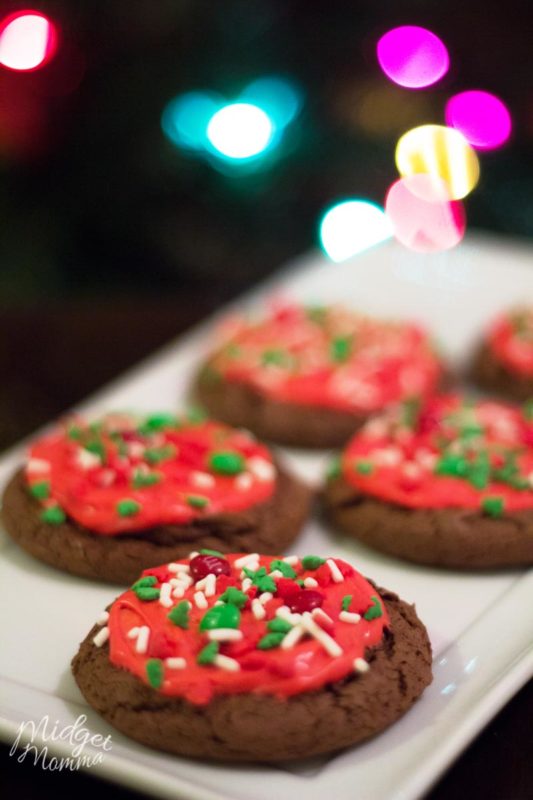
[(308, 376), (107, 503), (449, 485), (265, 669), (503, 363)]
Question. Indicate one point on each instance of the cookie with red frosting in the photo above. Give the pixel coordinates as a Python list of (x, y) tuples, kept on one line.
[(253, 657), (109, 498), (448, 483), (504, 361), (310, 376)]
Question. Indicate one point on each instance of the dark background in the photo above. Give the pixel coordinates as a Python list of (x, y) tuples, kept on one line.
[(112, 240)]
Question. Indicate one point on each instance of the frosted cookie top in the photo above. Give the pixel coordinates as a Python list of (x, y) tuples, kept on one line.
[(124, 474), (510, 339), (449, 453), (329, 357), (227, 624)]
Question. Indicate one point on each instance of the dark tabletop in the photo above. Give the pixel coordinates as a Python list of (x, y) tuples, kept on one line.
[(51, 358)]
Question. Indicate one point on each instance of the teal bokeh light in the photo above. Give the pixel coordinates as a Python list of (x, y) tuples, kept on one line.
[(280, 99), (352, 226), (185, 119), (240, 131)]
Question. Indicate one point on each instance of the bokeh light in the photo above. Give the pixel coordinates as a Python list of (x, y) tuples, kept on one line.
[(412, 57), (185, 118), (277, 97), (352, 226), (423, 216), (240, 131), (28, 40), (481, 117), (442, 153)]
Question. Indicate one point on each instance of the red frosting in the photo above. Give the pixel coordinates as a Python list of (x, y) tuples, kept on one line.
[(451, 453), (329, 357), (124, 474), (511, 341), (250, 663)]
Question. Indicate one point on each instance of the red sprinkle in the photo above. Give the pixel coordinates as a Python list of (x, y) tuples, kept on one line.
[(306, 600), (209, 565)]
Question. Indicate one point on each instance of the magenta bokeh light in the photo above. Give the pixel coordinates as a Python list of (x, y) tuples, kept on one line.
[(412, 57), (481, 117), (422, 216)]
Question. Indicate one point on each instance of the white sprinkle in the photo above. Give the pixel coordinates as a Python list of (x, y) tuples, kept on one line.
[(182, 580), (227, 663), (136, 449), (243, 481), (292, 637), (261, 468), (387, 456), (199, 599), (87, 460), (142, 639), (310, 583), (349, 616), (318, 614), (265, 597), (133, 633), (179, 591), (426, 458), (330, 645), (202, 480), (193, 555), (291, 560), (284, 612), (175, 663), (243, 561), (276, 574), (258, 609), (164, 595), (101, 637), (175, 567), (210, 585), (219, 603), (336, 574), (102, 618), (247, 582), (411, 470), (224, 635), (38, 466), (360, 665)]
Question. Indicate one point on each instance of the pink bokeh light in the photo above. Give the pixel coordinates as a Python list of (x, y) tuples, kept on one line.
[(412, 57), (422, 216), (28, 40), (481, 117)]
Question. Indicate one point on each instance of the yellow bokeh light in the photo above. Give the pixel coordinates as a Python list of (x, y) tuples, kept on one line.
[(441, 152)]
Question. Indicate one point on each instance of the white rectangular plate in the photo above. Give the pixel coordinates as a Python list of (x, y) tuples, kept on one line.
[(480, 624)]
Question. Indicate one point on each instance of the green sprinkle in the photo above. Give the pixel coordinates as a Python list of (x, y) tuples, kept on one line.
[(334, 469), (148, 580), (452, 464), (147, 593), (225, 616), (312, 562), (128, 508), (143, 479), (53, 515), (341, 348), (301, 582), (195, 415), (180, 615), (410, 412), (278, 625), (197, 501), (74, 432), (208, 653), (158, 422), (234, 596), (226, 462), (206, 552), (270, 640), (285, 569), (316, 314), (154, 672), (154, 455), (493, 506), (260, 579), (364, 467), (527, 409), (375, 611), (275, 357), (346, 600), (232, 350), (40, 490), (97, 448), (478, 472), (471, 431)]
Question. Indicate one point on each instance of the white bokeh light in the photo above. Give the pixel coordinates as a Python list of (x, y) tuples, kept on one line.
[(240, 130), (24, 42), (352, 226)]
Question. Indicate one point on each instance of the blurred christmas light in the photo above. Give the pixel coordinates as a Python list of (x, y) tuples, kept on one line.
[(481, 117), (240, 131), (185, 118), (28, 40), (423, 216), (440, 152), (352, 226), (412, 57), (277, 97)]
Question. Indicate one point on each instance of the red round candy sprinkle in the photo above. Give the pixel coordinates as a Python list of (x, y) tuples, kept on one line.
[(207, 564), (306, 600), (286, 588)]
